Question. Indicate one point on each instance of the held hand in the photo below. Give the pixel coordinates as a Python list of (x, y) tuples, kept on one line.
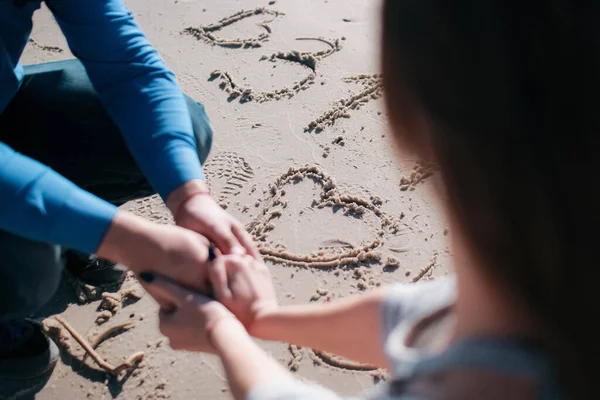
[(177, 253), (244, 285), (186, 318), (194, 209)]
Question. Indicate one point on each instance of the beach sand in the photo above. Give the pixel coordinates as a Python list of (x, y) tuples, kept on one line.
[(302, 155)]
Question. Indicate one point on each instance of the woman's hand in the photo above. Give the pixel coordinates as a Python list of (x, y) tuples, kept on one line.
[(244, 285), (193, 208), (187, 318), (196, 323)]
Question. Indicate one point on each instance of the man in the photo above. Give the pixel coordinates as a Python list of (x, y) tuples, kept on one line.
[(74, 130)]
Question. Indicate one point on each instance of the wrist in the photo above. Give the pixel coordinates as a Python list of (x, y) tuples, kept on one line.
[(226, 331), (125, 237), (184, 192), (264, 322)]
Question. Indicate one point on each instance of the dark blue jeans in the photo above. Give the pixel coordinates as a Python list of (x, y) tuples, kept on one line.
[(57, 119)]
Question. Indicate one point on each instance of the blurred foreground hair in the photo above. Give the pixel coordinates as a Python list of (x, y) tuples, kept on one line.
[(510, 93)]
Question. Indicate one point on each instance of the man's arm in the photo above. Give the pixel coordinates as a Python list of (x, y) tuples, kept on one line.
[(137, 89), (39, 204), (350, 327), (144, 100)]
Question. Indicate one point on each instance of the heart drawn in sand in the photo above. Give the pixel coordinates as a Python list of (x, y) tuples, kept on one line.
[(206, 33), (245, 93), (330, 198), (307, 60)]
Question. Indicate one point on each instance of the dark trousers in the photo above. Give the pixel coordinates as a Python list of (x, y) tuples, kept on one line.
[(57, 119)]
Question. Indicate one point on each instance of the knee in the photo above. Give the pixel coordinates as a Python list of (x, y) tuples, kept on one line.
[(30, 273), (202, 128)]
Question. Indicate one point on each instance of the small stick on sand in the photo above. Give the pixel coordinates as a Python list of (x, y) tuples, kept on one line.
[(340, 362), (131, 361), (102, 336), (86, 346)]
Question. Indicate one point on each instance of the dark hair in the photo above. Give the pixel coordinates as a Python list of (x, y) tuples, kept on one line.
[(510, 91)]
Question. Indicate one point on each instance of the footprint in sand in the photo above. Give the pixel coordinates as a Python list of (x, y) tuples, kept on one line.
[(372, 86), (331, 203), (152, 208), (227, 173)]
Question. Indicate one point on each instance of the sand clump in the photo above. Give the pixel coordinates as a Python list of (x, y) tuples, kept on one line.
[(297, 356), (112, 303), (85, 292), (421, 171), (322, 293), (426, 273)]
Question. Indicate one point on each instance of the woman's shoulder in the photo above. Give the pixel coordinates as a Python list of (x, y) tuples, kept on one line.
[(417, 320), (486, 368)]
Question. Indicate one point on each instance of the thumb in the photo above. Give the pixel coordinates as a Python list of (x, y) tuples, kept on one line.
[(168, 294), (225, 241), (217, 274)]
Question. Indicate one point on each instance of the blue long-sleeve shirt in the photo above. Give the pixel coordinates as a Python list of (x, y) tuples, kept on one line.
[(137, 90)]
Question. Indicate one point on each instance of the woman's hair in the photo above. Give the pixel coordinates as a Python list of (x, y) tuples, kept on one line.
[(510, 91)]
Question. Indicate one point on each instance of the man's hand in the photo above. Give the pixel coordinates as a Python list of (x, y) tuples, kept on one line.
[(194, 209), (177, 253)]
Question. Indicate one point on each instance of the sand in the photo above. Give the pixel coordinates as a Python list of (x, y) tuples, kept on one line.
[(302, 156)]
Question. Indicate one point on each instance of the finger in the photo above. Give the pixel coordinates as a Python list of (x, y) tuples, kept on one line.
[(164, 299), (233, 264), (217, 273), (224, 239), (168, 326), (165, 319), (260, 266), (211, 252), (163, 288), (245, 240)]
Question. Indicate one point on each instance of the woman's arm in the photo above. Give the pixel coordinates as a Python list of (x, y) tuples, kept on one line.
[(198, 323), (252, 374), (246, 365), (349, 327)]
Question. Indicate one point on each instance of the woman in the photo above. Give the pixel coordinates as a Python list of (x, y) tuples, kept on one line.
[(504, 97)]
